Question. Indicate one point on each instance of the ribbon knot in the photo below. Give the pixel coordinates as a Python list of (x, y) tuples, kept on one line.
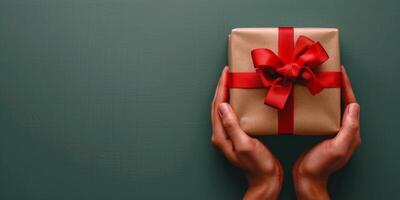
[(290, 71), (280, 74)]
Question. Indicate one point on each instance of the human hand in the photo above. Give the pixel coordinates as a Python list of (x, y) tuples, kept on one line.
[(312, 169), (264, 172)]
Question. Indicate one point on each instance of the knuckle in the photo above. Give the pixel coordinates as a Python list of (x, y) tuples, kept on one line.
[(215, 141), (247, 148), (229, 122)]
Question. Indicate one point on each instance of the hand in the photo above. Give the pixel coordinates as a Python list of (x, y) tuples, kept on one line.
[(264, 172), (312, 169)]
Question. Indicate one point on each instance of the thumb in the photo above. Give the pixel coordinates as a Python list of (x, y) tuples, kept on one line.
[(231, 126), (350, 125)]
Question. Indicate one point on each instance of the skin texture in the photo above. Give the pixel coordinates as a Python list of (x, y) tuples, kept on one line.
[(312, 169), (263, 170)]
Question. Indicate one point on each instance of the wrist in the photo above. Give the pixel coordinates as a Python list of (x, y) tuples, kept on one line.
[(266, 190), (264, 186), (310, 187)]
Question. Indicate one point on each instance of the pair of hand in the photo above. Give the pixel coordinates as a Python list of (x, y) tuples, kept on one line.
[(263, 170)]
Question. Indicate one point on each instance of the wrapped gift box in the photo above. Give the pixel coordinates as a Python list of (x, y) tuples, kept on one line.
[(304, 113)]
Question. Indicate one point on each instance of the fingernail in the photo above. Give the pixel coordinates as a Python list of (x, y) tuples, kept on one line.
[(354, 110), (223, 109)]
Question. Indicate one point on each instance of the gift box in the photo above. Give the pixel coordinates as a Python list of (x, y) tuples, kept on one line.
[(285, 80)]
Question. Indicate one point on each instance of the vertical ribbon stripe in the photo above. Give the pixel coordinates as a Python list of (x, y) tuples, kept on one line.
[(285, 52)]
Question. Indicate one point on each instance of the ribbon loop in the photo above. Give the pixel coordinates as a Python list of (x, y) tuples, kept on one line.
[(279, 75), (265, 58)]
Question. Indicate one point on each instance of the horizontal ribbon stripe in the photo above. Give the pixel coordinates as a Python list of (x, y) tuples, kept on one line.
[(247, 80), (250, 80)]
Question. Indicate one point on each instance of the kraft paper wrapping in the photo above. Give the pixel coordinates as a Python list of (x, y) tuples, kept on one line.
[(313, 114)]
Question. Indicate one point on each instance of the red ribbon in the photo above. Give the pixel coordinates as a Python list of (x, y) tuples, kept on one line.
[(294, 64)]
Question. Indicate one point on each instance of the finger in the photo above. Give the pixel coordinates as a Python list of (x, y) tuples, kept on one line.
[(347, 90), (231, 125), (350, 126), (220, 90), (218, 85), (215, 94), (221, 93), (219, 137), (220, 96)]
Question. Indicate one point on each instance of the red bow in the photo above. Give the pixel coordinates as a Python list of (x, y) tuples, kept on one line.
[(280, 76)]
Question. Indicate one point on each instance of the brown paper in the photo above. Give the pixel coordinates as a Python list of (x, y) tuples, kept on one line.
[(313, 114)]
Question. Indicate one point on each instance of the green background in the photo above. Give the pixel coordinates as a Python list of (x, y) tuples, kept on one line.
[(110, 99)]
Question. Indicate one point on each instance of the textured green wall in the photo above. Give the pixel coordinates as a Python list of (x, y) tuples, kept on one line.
[(109, 99)]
